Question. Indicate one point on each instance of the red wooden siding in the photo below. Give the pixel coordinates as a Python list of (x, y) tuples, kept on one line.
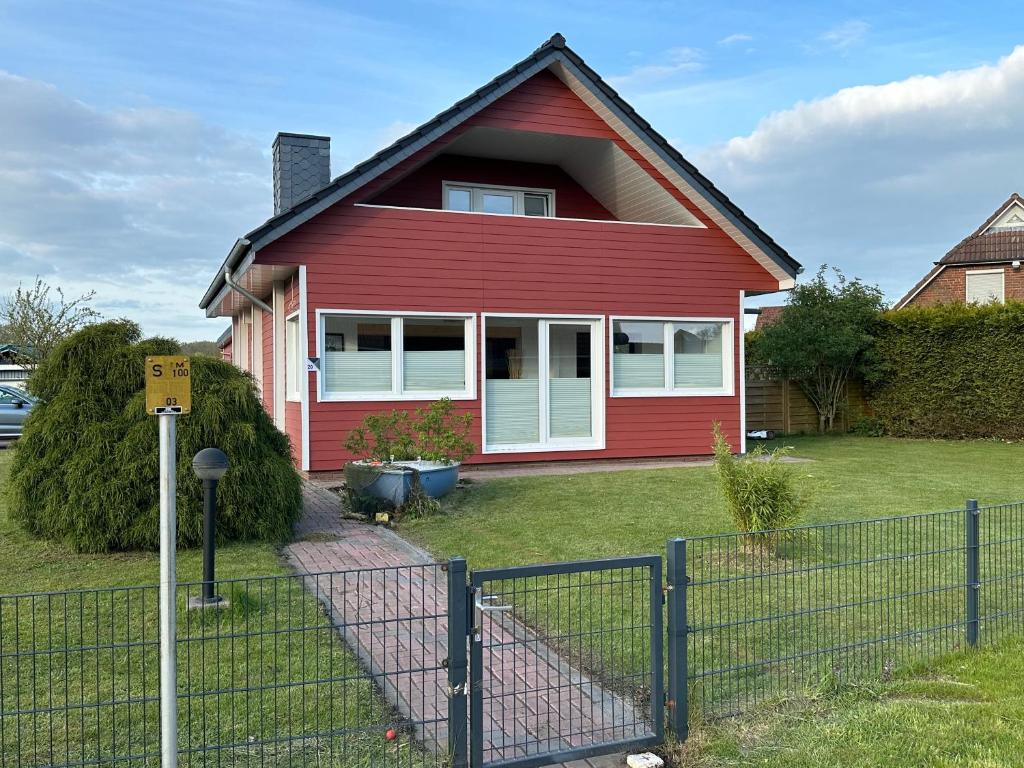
[(225, 351), (433, 261), (394, 259), (422, 187)]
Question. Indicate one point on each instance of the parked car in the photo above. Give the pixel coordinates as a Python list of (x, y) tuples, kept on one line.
[(15, 406)]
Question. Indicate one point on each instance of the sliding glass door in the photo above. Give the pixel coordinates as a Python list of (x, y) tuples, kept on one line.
[(543, 388)]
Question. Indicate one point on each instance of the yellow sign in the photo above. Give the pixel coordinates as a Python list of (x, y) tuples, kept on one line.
[(168, 384)]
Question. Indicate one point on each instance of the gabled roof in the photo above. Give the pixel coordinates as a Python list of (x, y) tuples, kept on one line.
[(988, 244), (551, 52)]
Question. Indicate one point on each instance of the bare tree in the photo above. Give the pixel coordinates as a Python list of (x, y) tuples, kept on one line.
[(37, 322)]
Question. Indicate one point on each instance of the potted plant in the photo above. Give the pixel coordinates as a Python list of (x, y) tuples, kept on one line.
[(401, 452)]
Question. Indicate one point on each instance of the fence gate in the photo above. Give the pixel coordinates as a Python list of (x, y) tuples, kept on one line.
[(565, 661)]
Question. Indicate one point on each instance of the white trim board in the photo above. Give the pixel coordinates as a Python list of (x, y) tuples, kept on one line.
[(741, 377), (304, 389), (531, 218)]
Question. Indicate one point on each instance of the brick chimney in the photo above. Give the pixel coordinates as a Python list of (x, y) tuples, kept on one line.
[(302, 166)]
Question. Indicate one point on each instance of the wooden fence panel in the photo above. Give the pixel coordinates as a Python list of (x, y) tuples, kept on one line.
[(782, 407)]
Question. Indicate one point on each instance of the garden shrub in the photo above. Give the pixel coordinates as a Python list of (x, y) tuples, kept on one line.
[(951, 371), (436, 433), (86, 470), (760, 489)]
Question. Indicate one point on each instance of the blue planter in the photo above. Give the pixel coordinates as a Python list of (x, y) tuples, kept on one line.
[(395, 482)]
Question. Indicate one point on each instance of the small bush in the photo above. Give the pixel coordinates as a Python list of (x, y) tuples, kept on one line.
[(867, 427), (436, 433), (761, 490), (86, 470)]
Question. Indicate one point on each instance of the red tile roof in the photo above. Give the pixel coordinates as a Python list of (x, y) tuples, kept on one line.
[(768, 316), (986, 247), (979, 247)]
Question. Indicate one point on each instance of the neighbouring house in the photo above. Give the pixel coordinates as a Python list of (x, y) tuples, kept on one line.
[(224, 344), (766, 316), (984, 267), (537, 252), (14, 366)]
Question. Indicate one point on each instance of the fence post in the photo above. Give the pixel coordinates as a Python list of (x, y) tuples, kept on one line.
[(973, 570), (458, 630), (678, 695)]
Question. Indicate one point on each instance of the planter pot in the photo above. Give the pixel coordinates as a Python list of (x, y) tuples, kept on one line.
[(395, 481)]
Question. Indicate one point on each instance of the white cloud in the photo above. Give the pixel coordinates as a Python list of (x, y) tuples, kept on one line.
[(139, 204), (674, 61), (846, 35), (882, 179), (739, 37)]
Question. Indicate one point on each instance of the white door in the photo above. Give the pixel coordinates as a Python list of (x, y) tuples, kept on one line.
[(543, 384)]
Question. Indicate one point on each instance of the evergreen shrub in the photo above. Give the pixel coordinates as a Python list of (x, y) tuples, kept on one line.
[(86, 469)]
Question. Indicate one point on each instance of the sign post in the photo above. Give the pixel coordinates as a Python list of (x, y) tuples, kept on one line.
[(168, 394)]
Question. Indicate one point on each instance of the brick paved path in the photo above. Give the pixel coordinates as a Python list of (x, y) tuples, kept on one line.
[(394, 620)]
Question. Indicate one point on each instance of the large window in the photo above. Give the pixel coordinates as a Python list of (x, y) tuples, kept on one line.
[(671, 357), (381, 357), (513, 201)]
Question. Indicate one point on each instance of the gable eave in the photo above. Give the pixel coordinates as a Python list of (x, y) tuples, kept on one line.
[(553, 51)]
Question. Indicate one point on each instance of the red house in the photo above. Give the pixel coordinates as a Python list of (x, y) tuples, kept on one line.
[(537, 252)]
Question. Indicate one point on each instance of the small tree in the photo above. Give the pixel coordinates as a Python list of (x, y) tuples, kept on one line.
[(823, 335), (36, 322)]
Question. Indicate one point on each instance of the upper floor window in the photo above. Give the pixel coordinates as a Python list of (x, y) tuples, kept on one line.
[(511, 201), (985, 286)]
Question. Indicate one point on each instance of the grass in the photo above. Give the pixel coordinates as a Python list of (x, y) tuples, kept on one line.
[(966, 710), (261, 656), (841, 606), (517, 521), (549, 518)]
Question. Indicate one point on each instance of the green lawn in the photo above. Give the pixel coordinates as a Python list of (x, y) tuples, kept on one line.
[(967, 710), (540, 519), (517, 521), (794, 599), (278, 668)]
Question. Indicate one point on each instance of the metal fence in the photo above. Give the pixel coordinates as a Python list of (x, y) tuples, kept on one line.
[(430, 665), (566, 660), (760, 617), (340, 668)]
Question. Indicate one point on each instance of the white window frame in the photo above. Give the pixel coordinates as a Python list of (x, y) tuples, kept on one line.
[(476, 191), (728, 388), (397, 368), (597, 362), (294, 360), (1002, 283)]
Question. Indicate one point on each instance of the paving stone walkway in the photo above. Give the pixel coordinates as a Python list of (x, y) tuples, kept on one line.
[(394, 619)]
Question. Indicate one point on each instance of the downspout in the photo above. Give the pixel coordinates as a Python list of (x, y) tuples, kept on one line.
[(230, 281)]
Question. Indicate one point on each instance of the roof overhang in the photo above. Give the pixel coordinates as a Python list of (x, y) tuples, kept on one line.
[(565, 64)]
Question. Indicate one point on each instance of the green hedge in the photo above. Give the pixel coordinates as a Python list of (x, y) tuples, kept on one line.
[(950, 371), (86, 470)]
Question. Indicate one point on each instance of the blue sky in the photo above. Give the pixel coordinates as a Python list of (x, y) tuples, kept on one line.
[(141, 131)]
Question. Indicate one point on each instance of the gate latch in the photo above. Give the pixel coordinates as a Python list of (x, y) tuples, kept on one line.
[(481, 599), (480, 605)]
